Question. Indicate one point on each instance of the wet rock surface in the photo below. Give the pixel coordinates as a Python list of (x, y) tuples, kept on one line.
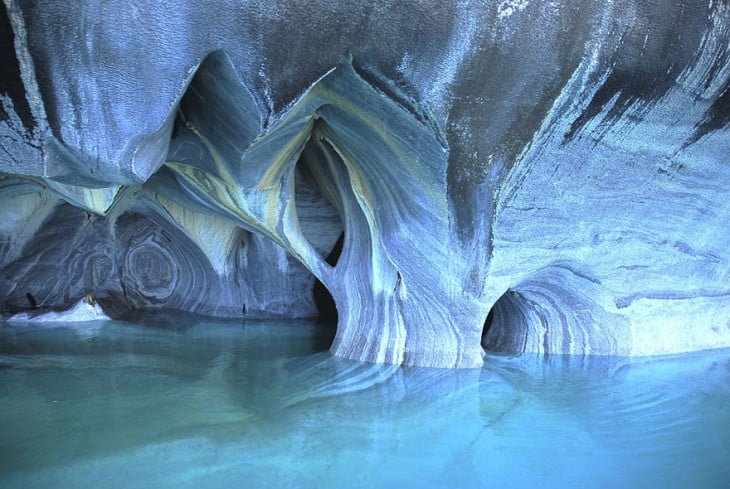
[(516, 176)]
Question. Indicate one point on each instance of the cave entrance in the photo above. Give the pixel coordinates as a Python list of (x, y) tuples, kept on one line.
[(506, 325), (323, 300), (284, 193), (558, 310), (319, 213)]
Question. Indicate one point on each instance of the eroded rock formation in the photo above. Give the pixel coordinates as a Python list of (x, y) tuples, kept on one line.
[(513, 175)]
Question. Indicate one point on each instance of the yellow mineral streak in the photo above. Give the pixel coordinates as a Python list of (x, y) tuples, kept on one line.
[(96, 200)]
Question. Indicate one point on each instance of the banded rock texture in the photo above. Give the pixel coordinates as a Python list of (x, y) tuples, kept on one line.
[(517, 176)]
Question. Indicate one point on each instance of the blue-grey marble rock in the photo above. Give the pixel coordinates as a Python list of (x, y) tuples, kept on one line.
[(510, 175)]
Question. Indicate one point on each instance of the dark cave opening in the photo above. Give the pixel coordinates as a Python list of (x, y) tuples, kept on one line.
[(326, 307), (506, 324), (316, 198)]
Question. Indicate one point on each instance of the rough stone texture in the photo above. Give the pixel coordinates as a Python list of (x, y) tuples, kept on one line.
[(562, 165)]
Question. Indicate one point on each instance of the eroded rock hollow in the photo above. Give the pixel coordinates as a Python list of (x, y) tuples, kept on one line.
[(510, 175)]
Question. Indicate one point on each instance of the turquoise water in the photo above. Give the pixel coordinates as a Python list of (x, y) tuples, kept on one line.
[(170, 401)]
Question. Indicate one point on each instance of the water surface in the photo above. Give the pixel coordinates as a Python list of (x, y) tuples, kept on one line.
[(179, 401)]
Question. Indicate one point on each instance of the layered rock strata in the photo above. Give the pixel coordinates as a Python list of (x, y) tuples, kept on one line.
[(515, 176)]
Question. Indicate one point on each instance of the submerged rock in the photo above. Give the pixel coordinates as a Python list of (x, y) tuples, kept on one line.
[(515, 176)]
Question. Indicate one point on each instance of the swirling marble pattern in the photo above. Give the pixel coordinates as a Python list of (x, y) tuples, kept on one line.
[(80, 262), (140, 256), (557, 310), (561, 165)]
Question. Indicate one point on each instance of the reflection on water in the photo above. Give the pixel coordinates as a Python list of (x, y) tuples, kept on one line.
[(174, 401)]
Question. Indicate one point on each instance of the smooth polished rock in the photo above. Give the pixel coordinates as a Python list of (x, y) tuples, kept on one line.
[(518, 176), (145, 253)]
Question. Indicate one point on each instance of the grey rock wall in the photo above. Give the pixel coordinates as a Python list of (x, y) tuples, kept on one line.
[(510, 175)]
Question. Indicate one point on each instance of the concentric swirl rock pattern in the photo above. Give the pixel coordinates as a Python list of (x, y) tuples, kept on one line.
[(512, 176)]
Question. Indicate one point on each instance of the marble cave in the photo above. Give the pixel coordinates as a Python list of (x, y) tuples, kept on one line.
[(439, 178)]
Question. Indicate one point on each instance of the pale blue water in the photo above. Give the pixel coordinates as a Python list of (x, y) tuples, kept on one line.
[(198, 403)]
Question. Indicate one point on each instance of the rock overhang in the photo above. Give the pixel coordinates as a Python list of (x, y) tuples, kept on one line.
[(461, 171)]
